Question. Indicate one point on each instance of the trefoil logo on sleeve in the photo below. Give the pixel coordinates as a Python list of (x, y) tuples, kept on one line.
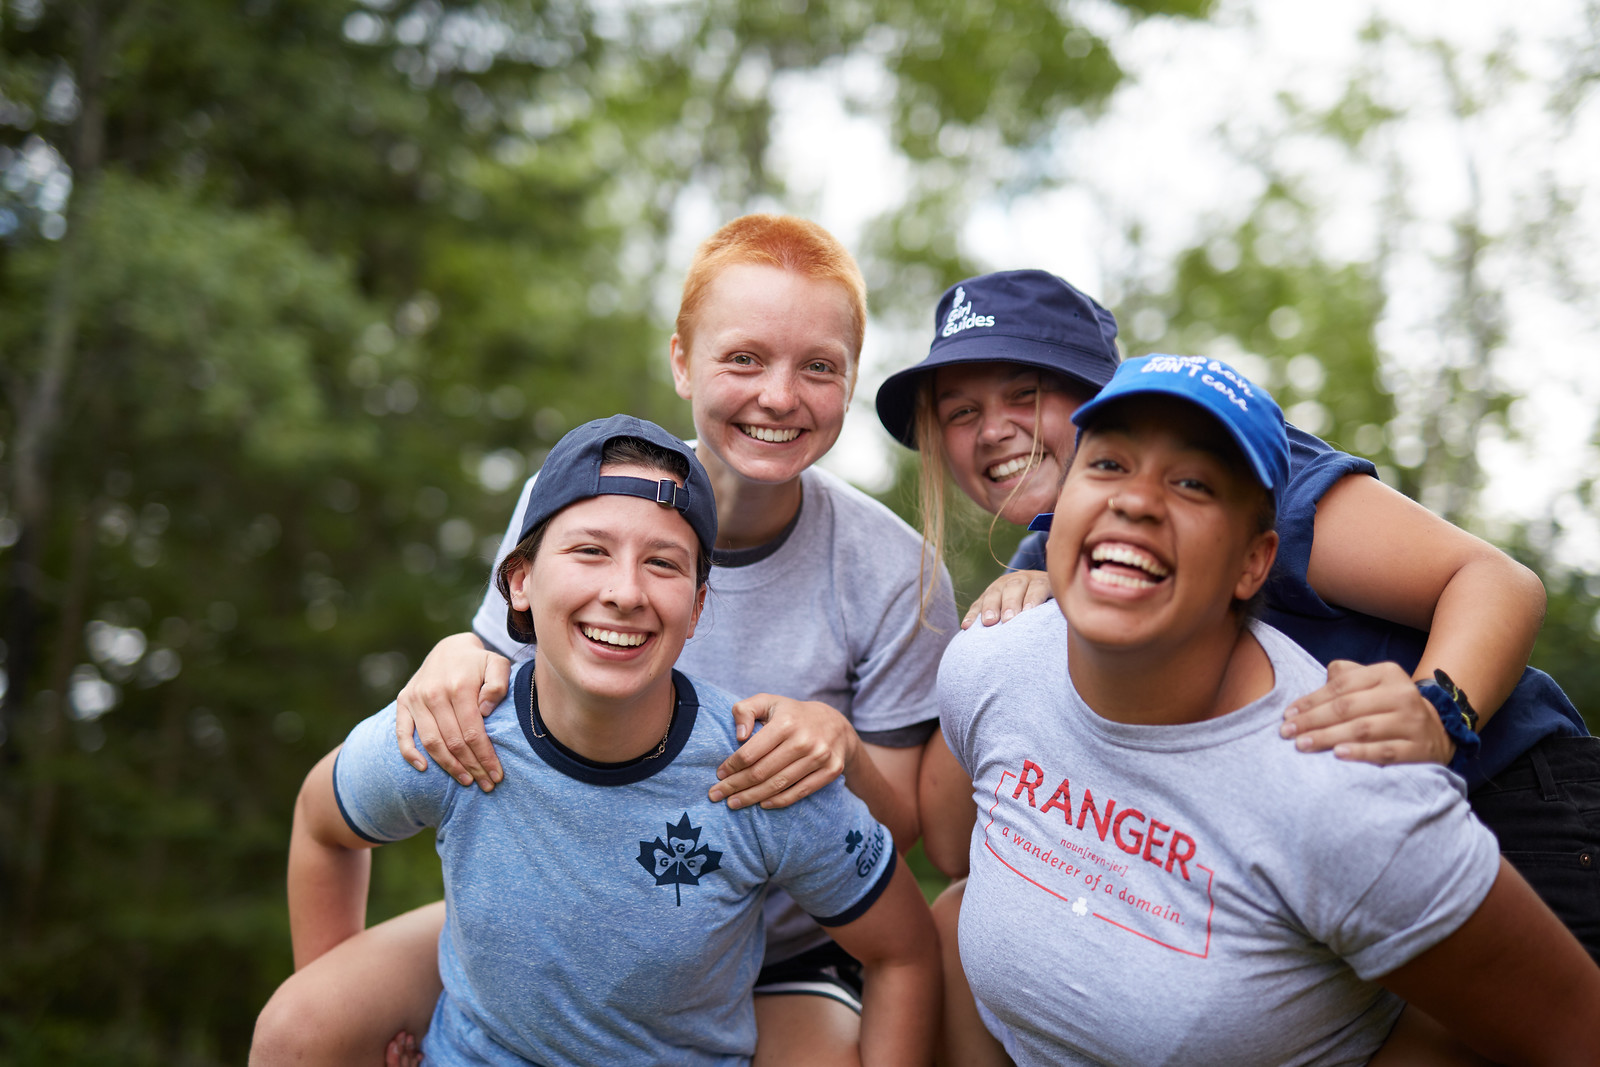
[(677, 861)]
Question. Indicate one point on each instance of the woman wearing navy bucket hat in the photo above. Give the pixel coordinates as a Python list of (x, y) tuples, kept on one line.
[(1369, 582)]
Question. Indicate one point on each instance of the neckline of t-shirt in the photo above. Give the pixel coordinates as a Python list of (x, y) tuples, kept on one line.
[(1181, 737), (734, 558), (569, 763), (784, 557)]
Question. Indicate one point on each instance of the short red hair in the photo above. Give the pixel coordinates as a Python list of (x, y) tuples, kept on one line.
[(781, 241)]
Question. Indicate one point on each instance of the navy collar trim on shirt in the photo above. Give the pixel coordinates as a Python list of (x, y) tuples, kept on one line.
[(744, 557), (569, 763)]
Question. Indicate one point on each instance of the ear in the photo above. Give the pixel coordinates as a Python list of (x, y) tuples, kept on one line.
[(679, 358), (1257, 565), (699, 604), (516, 579)]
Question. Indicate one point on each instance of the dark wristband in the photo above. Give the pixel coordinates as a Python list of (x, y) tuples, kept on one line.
[(1456, 713)]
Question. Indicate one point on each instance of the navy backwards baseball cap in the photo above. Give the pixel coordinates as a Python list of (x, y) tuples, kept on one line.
[(1012, 316), (1249, 414), (571, 473)]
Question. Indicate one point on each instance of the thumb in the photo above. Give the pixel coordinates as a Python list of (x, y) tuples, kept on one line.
[(748, 712), (496, 681), (1339, 667)]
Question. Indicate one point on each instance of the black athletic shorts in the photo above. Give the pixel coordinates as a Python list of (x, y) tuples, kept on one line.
[(824, 971)]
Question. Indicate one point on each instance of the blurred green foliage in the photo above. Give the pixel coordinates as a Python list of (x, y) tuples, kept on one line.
[(292, 295)]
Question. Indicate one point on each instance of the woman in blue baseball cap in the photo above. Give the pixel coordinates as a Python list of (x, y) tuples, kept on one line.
[(1155, 876), (600, 908), (1373, 585)]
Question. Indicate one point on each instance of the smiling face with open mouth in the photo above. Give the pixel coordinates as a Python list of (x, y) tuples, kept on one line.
[(768, 370), (613, 595), (1007, 433), (1157, 528)]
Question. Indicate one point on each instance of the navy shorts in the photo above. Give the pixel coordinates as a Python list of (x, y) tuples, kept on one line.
[(825, 971), (1545, 811)]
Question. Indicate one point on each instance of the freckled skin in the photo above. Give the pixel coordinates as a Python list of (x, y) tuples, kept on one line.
[(770, 349)]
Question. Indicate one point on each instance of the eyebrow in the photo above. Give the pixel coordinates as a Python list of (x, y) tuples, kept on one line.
[(655, 543), (1011, 376), (1217, 449)]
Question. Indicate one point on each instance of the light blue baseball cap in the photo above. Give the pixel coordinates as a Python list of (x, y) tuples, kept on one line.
[(1247, 411)]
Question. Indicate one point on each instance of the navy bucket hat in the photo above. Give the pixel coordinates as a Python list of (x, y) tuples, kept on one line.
[(571, 473), (1029, 317)]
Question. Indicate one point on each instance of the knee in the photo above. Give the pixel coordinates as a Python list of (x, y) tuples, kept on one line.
[(295, 1028)]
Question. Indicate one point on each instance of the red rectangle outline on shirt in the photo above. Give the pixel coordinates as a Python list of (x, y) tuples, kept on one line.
[(1210, 876)]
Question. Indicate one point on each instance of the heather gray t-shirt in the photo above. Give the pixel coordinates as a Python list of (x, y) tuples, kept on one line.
[(830, 616), (1193, 894)]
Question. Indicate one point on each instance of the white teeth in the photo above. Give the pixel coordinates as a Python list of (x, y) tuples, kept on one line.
[(612, 637), (1127, 581), (1128, 556), (1002, 471), (777, 437)]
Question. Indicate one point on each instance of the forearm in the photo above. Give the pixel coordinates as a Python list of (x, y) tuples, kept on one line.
[(944, 800), (1483, 630), (895, 808), (327, 894), (900, 1010), (329, 869)]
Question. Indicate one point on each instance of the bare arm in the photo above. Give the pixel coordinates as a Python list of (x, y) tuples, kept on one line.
[(454, 690), (1379, 553), (1511, 981), (329, 868), (944, 797), (805, 744), (899, 950)]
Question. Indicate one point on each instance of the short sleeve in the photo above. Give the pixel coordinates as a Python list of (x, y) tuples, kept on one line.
[(1314, 468), (831, 855), (381, 796), (490, 621), (895, 680), (1434, 866)]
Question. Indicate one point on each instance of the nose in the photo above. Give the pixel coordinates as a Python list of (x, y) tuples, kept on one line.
[(778, 392), (1138, 498), (995, 426), (624, 593)]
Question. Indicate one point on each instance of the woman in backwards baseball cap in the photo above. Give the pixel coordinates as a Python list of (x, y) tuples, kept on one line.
[(599, 908), (1370, 583)]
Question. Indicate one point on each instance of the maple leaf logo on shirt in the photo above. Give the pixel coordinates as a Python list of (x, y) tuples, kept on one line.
[(677, 861)]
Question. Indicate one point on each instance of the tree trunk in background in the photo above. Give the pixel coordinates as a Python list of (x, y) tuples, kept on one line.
[(39, 418)]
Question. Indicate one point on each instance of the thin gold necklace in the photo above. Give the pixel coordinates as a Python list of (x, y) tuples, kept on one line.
[(533, 706)]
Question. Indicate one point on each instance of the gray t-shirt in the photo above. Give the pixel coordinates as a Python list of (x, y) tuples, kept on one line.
[(1193, 894), (604, 914), (830, 616)]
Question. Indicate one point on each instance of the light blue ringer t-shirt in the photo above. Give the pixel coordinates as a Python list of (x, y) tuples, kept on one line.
[(607, 913)]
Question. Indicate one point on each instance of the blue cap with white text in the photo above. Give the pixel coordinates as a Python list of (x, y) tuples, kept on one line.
[(571, 473), (1249, 414)]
